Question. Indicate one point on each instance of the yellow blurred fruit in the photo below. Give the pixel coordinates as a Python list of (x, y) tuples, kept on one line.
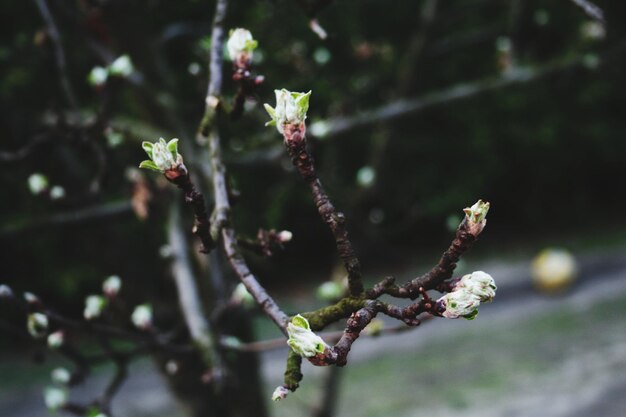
[(553, 270)]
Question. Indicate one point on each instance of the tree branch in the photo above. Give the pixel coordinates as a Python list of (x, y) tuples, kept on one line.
[(189, 300), (221, 222), (591, 10), (59, 53), (399, 108)]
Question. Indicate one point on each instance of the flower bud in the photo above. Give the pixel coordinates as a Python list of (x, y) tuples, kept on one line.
[(57, 192), (291, 109), (480, 284), (330, 291), (122, 67), (94, 305), (459, 304), (240, 46), (37, 183), (476, 216), (31, 298), (5, 291), (61, 376), (56, 339), (37, 324), (242, 297), (142, 316), (111, 286), (98, 76), (280, 393), (284, 236), (163, 155), (55, 398), (302, 340)]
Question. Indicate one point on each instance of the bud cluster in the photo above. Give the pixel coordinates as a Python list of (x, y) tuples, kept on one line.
[(466, 296), (302, 340), (164, 158)]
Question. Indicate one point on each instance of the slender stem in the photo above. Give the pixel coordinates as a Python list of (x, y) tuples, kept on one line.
[(303, 161), (221, 221), (591, 10), (189, 300), (59, 52)]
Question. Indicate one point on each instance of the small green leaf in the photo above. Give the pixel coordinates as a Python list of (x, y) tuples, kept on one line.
[(300, 321), (472, 315), (251, 45), (302, 103), (270, 110), (149, 165), (172, 146), (147, 146)]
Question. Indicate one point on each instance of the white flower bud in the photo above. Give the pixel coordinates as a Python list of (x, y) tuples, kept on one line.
[(55, 398), (94, 305), (280, 393), (478, 212), (61, 376), (284, 236), (302, 340), (37, 324), (480, 284), (31, 298), (164, 155), (57, 192), (122, 67), (593, 31), (291, 108), (142, 316), (242, 296), (111, 286), (56, 340), (330, 291), (241, 45), (37, 183), (98, 76), (459, 303), (5, 291)]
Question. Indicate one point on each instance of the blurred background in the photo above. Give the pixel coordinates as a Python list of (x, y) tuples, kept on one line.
[(418, 109)]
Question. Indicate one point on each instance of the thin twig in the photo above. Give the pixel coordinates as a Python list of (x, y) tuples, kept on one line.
[(399, 108), (59, 52), (189, 300), (591, 10), (221, 222)]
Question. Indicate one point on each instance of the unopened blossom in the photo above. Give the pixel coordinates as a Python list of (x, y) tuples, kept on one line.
[(37, 183), (37, 325), (57, 192), (55, 398), (111, 286), (459, 304), (302, 339), (94, 305), (330, 291), (284, 236), (280, 393), (121, 67), (56, 339), (476, 216), (291, 109), (241, 46), (142, 316), (163, 155), (61, 376), (5, 291), (480, 284), (242, 296), (31, 298), (98, 76)]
